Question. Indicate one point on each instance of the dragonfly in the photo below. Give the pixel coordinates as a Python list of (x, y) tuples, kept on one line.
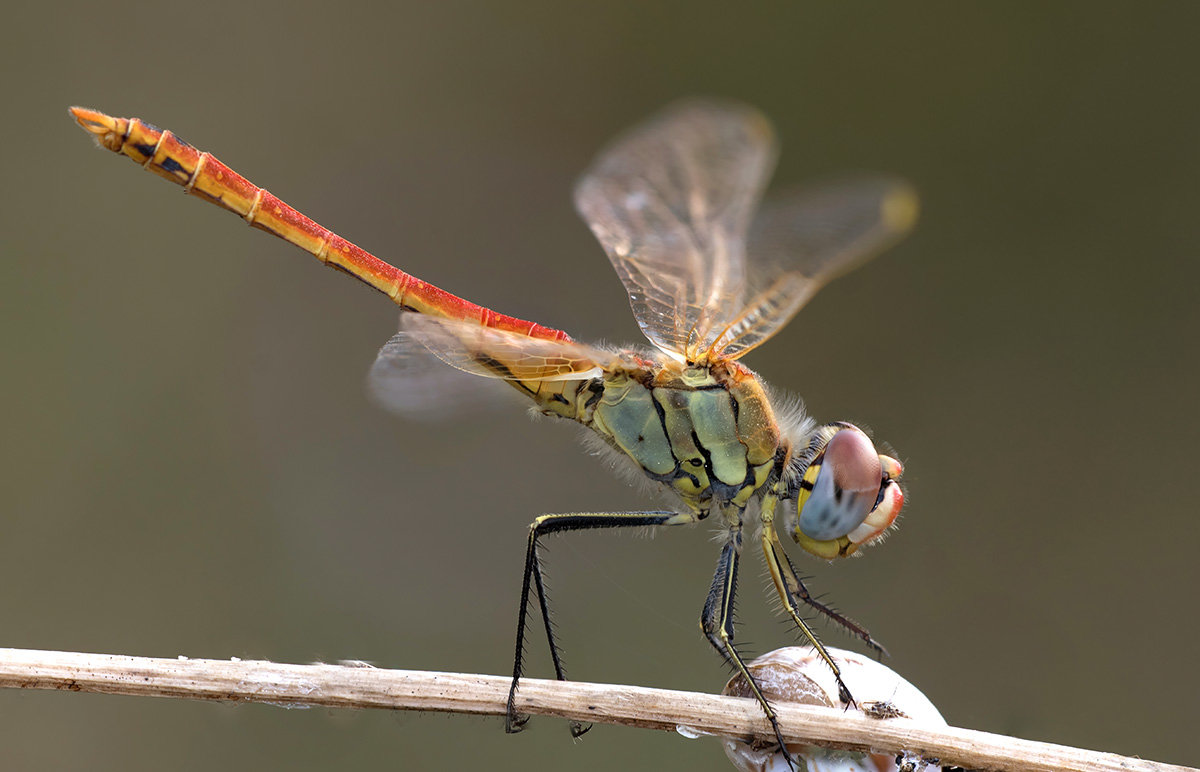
[(713, 269)]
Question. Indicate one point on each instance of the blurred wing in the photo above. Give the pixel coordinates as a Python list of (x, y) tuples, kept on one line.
[(803, 239), (494, 353), (408, 380), (670, 202)]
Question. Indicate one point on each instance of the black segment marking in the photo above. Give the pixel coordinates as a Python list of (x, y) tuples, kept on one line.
[(348, 272), (173, 166)]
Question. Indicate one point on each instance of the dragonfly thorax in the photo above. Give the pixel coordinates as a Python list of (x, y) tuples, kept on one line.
[(708, 432)]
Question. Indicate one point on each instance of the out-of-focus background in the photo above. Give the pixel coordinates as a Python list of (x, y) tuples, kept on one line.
[(191, 465)]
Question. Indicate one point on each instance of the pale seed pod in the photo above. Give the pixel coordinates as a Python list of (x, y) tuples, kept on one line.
[(796, 674)]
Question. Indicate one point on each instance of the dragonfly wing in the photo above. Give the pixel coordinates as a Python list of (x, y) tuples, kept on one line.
[(671, 202), (804, 238), (408, 380), (494, 353)]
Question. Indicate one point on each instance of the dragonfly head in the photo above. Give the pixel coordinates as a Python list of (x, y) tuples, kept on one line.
[(847, 495)]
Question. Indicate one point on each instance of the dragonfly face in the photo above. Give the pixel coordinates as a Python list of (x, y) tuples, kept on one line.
[(847, 495)]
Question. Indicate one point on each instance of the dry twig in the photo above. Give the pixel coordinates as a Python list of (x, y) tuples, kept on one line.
[(349, 686)]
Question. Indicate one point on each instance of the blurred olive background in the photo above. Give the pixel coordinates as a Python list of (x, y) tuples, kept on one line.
[(191, 465)]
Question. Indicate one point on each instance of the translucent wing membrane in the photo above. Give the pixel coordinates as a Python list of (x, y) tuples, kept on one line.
[(805, 237), (409, 380), (495, 353), (670, 202)]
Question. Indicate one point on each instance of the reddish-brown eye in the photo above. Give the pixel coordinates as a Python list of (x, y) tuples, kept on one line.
[(846, 487), (854, 461)]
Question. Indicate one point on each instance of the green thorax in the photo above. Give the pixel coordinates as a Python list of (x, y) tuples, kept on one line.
[(707, 431)]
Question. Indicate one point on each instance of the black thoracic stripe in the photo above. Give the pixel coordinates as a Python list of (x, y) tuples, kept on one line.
[(671, 476), (678, 471), (708, 467), (721, 490), (662, 422)]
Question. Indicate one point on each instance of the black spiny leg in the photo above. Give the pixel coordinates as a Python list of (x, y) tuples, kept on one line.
[(717, 623), (542, 526)]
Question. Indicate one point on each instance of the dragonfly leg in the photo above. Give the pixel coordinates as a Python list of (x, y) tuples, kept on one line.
[(793, 592), (716, 621), (532, 579), (798, 592)]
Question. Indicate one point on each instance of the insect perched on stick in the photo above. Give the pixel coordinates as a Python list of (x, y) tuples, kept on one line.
[(710, 275)]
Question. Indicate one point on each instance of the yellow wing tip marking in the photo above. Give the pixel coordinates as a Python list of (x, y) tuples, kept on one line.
[(104, 128), (760, 124), (900, 209)]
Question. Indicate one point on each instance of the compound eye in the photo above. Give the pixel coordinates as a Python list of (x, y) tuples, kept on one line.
[(845, 489)]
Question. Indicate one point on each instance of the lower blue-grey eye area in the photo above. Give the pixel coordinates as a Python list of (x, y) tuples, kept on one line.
[(831, 513)]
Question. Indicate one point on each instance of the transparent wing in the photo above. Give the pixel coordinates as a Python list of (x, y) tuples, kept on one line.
[(512, 356), (804, 238), (670, 202), (408, 380)]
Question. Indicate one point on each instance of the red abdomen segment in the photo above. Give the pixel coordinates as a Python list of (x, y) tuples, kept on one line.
[(202, 175)]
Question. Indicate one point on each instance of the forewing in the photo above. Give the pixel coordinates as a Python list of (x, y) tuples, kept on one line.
[(494, 353), (804, 238), (670, 201)]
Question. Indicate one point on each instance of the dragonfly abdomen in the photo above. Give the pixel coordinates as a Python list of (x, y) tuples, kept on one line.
[(203, 176)]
